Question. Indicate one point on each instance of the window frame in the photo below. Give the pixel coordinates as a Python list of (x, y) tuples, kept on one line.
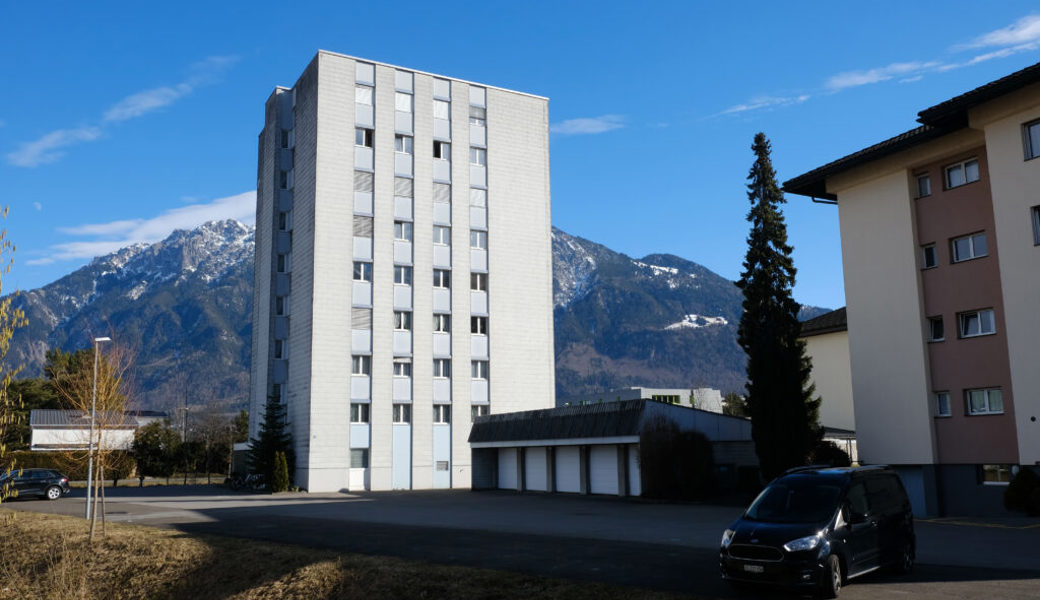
[(280, 349), (1027, 140), (402, 275), (478, 282), (360, 413), (988, 409), (971, 247), (404, 231), (478, 239), (441, 320), (361, 272), (399, 96), (441, 150), (1034, 212), (938, 399), (478, 325), (406, 367), (478, 156), (479, 370), (361, 365), (402, 413), (402, 320), (442, 279), (404, 144), (439, 233), (479, 410), (441, 414), (362, 89), (924, 256), (932, 321), (1009, 469), (442, 368), (962, 323), (923, 191), (363, 453), (446, 104), (281, 306), (283, 262), (367, 137), (963, 167)]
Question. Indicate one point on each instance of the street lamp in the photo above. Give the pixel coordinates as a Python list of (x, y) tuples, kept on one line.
[(93, 414)]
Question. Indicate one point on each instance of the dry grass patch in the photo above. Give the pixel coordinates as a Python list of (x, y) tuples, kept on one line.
[(48, 556)]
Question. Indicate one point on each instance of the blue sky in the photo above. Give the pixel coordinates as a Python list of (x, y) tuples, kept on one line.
[(121, 123)]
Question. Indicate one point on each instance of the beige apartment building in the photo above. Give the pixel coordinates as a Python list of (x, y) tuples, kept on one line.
[(940, 235), (403, 270)]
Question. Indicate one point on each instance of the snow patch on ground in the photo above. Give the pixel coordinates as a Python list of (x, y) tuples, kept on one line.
[(657, 269), (698, 321)]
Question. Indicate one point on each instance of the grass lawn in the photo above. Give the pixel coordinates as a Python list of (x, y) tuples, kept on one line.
[(48, 556)]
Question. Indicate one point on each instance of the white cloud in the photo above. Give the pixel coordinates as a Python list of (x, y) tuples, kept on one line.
[(765, 102), (589, 125), (37, 206), (850, 79), (122, 233), (47, 149), (1023, 31)]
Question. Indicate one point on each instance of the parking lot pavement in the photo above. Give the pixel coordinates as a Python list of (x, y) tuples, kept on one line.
[(661, 546)]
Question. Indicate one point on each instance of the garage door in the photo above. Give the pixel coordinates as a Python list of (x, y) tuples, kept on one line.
[(568, 469), (534, 470), (635, 486), (507, 468), (603, 470)]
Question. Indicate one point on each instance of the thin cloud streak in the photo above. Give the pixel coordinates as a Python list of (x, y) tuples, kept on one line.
[(588, 126), (765, 102), (850, 79), (122, 233), (48, 148), (1023, 31)]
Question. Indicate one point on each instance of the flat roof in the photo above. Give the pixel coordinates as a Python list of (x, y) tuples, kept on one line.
[(936, 121)]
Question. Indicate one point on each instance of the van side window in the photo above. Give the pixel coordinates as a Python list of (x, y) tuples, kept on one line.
[(857, 498), (883, 494)]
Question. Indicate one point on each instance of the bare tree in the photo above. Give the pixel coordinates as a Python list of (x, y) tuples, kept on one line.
[(11, 318)]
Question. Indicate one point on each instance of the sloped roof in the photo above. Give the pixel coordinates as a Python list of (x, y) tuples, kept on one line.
[(936, 121), (78, 418), (831, 322), (607, 419)]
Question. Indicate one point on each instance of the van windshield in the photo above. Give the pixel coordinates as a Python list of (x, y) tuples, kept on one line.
[(795, 501)]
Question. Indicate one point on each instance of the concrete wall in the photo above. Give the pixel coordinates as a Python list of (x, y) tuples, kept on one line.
[(832, 374)]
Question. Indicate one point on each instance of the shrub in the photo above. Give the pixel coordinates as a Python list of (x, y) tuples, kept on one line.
[(1023, 493), (280, 481), (828, 453), (674, 463)]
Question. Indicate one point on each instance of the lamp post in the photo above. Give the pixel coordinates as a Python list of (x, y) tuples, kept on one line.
[(93, 414)]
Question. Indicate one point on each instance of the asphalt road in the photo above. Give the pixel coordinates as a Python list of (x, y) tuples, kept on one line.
[(655, 546)]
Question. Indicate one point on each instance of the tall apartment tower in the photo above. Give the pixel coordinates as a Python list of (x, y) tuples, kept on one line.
[(403, 270)]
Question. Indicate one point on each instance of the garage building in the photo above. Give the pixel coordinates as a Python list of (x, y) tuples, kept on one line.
[(593, 448)]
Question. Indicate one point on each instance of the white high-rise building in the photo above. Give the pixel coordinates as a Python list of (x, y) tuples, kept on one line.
[(403, 270)]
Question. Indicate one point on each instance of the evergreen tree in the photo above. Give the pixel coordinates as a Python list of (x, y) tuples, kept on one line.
[(155, 449), (280, 480), (273, 437), (780, 399)]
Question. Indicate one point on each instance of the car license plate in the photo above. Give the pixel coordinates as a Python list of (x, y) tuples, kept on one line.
[(754, 568)]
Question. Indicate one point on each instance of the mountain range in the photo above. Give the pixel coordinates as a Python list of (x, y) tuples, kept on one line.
[(183, 306)]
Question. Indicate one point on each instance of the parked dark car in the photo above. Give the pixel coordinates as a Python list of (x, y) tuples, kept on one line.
[(46, 483), (818, 527)]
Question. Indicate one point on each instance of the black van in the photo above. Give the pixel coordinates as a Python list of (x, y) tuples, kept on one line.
[(816, 527)]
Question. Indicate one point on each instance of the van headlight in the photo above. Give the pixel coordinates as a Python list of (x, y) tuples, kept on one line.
[(727, 537), (808, 542)]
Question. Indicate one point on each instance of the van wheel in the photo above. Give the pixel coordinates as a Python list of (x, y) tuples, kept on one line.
[(830, 580), (905, 563)]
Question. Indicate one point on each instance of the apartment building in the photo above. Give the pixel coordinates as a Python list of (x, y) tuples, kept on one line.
[(940, 234), (403, 270)]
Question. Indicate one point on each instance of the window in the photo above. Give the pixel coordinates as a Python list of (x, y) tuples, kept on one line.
[(285, 262), (281, 306), (442, 235), (279, 349), (403, 102), (962, 173), (363, 94), (402, 275), (985, 401), (935, 329), (996, 474), (359, 458), (285, 220), (928, 257), (363, 137), (441, 278), (442, 323), (441, 109), (479, 410), (969, 247), (977, 322), (402, 231), (442, 413), (1031, 139), (478, 239), (942, 404), (359, 413), (478, 156), (402, 320), (1036, 225), (478, 325), (478, 116), (285, 138), (361, 365), (402, 413), (479, 369), (441, 150), (477, 197), (442, 367), (276, 391), (478, 282), (924, 185), (669, 398), (402, 367), (362, 271), (403, 143), (283, 180)]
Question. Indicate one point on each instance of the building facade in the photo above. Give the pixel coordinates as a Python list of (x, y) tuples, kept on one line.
[(826, 340), (403, 270), (940, 233)]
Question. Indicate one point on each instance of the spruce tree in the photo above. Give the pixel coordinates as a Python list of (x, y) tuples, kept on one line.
[(780, 400), (272, 438)]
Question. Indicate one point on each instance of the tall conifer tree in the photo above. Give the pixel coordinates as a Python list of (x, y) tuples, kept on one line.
[(780, 400), (273, 437)]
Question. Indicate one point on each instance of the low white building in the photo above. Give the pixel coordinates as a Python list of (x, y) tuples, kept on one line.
[(708, 399), (60, 430)]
